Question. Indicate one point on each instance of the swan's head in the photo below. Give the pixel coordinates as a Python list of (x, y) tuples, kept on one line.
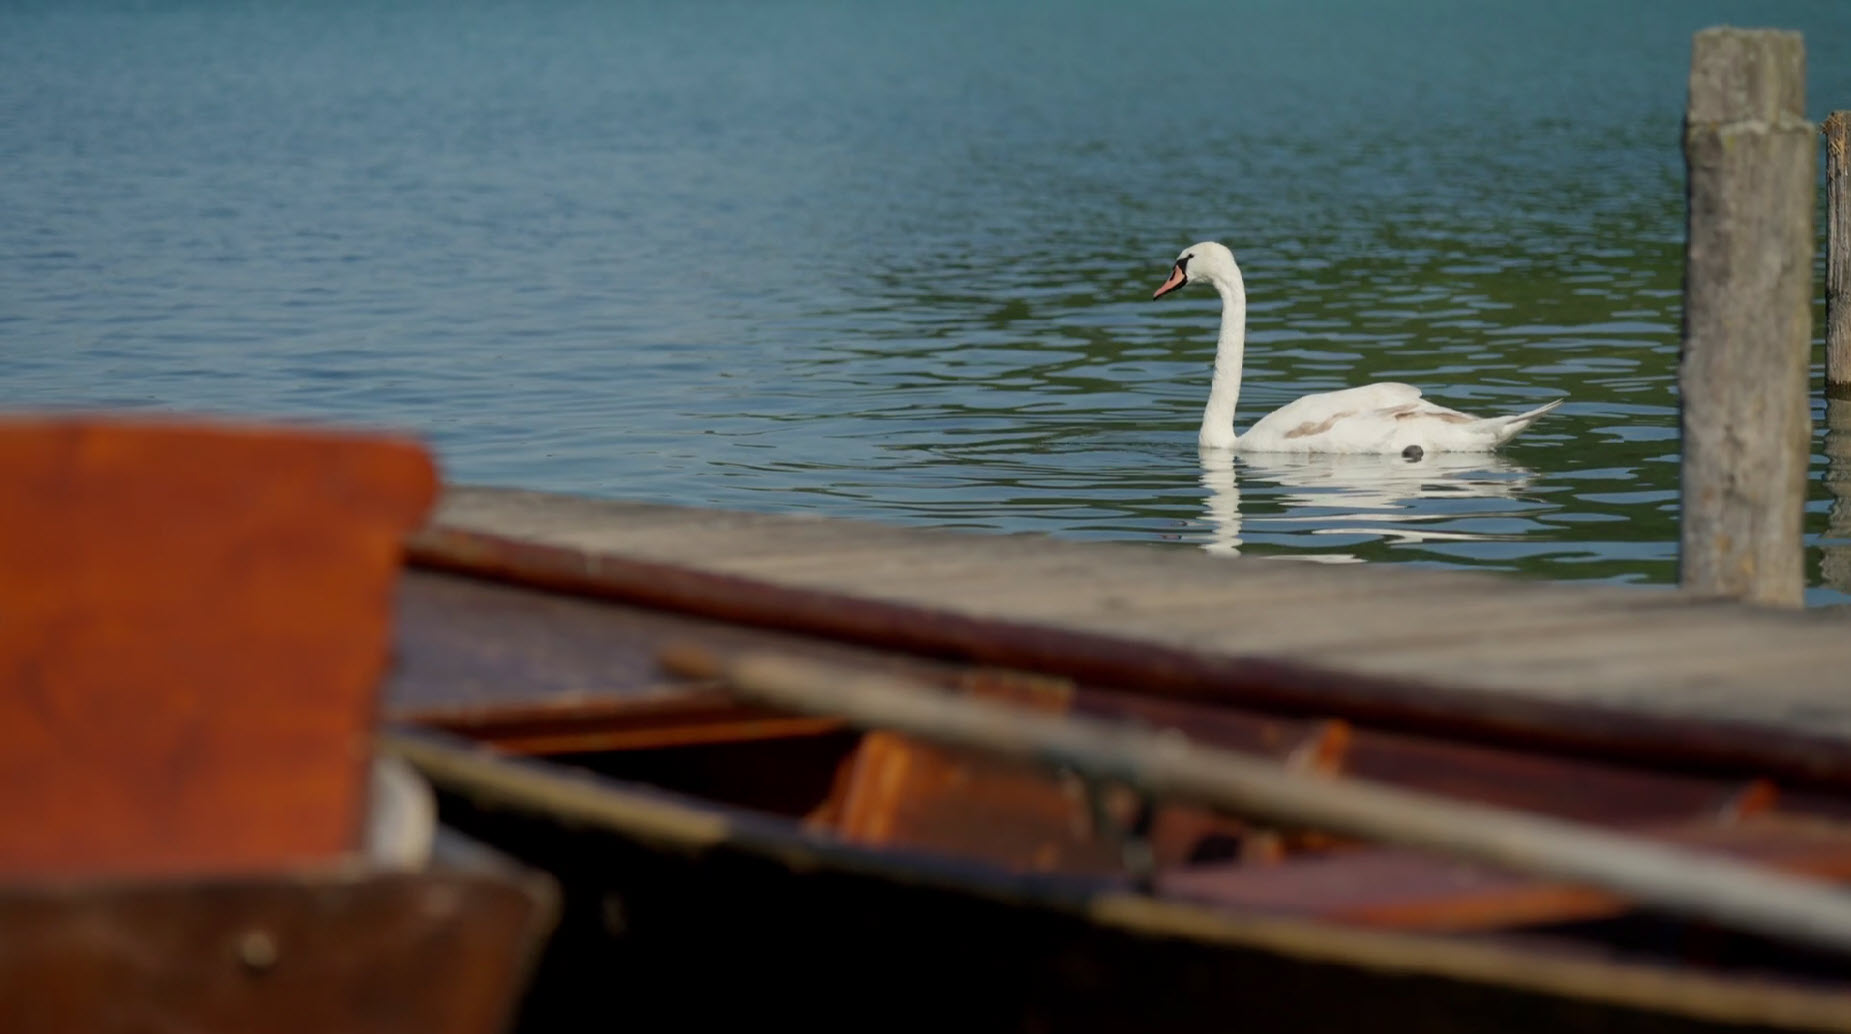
[(1205, 262)]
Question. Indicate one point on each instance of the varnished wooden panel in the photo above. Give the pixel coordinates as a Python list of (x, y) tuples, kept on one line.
[(193, 624)]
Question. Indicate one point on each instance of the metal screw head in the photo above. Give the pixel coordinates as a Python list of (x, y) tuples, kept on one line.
[(257, 950)]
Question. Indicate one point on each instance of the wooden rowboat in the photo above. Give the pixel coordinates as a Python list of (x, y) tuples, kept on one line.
[(849, 776), (726, 861), (199, 836)]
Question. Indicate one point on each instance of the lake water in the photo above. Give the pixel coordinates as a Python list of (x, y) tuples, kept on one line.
[(894, 260)]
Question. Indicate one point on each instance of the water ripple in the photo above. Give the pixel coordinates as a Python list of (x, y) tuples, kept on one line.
[(894, 262)]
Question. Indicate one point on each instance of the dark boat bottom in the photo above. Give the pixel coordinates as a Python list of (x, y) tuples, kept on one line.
[(791, 776), (656, 939)]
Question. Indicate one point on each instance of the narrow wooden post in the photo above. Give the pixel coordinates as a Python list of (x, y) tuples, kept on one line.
[(1747, 315), (1835, 544), (1837, 258)]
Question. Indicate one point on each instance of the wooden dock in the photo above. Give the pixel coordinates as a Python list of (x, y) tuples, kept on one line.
[(1664, 673)]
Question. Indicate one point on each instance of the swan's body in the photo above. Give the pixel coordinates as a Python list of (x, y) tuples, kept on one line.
[(1376, 418), (1381, 418)]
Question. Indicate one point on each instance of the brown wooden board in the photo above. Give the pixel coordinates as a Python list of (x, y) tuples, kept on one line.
[(307, 953), (193, 623), (541, 672), (544, 673), (902, 792), (1436, 666), (1415, 891)]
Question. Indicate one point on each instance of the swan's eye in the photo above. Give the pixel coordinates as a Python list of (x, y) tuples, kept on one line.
[(1182, 264)]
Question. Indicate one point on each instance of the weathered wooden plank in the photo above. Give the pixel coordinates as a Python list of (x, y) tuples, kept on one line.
[(647, 530), (850, 555), (1688, 675), (523, 514), (570, 674), (469, 649), (1026, 587), (1743, 376), (884, 562), (1699, 638), (877, 561), (1126, 592), (1117, 594), (1139, 616), (924, 571), (1425, 625), (1011, 576), (767, 540)]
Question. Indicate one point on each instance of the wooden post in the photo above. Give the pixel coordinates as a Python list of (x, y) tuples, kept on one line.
[(1743, 378), (1835, 545), (1837, 258)]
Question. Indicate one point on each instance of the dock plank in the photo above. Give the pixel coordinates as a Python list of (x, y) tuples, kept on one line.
[(1481, 624), (1647, 651)]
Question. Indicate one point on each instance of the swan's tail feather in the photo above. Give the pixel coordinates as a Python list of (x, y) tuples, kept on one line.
[(1508, 427)]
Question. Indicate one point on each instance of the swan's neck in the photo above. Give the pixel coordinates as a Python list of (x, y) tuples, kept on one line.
[(1218, 417)]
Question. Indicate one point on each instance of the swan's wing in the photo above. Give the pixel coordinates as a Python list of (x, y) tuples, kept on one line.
[(1317, 414), (1377, 418), (1380, 418), (1383, 395)]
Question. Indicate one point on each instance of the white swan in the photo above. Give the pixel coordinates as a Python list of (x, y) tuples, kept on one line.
[(1375, 418)]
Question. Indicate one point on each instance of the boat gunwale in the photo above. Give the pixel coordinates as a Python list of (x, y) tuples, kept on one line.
[(676, 823)]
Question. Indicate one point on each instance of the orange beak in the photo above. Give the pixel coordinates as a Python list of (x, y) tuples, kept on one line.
[(1175, 281)]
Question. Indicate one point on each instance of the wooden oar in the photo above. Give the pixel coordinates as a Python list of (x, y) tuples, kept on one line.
[(1167, 765)]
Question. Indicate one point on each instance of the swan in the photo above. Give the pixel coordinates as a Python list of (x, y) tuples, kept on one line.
[(1380, 419)]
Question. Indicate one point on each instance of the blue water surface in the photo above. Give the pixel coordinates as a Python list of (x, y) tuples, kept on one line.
[(893, 260)]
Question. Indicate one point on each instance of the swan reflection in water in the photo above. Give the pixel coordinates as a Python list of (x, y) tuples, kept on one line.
[(1384, 497)]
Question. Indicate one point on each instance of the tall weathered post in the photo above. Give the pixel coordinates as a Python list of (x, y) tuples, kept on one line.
[(1750, 156), (1837, 258)]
